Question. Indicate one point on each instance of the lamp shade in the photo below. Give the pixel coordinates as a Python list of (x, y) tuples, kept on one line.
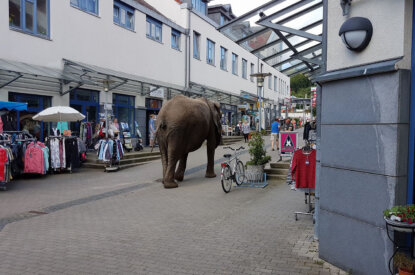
[(356, 33)]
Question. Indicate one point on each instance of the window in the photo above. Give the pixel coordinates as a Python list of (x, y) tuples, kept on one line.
[(123, 15), (196, 45), (199, 5), (31, 16), (234, 64), (175, 39), (90, 6), (262, 67), (210, 55), (124, 110), (153, 29), (252, 71), (223, 56), (270, 82), (275, 83), (244, 68), (222, 20)]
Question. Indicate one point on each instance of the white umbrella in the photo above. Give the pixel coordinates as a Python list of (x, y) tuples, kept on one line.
[(59, 113)]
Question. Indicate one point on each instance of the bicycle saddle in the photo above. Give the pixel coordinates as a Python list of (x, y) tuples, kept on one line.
[(227, 155)]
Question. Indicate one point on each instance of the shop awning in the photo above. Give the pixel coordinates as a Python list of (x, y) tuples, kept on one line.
[(95, 75), (287, 34), (29, 76), (12, 106)]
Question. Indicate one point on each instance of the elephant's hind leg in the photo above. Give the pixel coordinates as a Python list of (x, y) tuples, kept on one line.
[(171, 167), (179, 175)]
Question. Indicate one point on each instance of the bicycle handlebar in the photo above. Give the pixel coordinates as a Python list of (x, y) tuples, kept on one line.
[(228, 147)]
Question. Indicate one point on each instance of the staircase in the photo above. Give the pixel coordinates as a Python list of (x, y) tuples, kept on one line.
[(130, 159), (277, 171), (228, 140)]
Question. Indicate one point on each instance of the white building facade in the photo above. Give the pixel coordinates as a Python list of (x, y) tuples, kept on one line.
[(131, 54)]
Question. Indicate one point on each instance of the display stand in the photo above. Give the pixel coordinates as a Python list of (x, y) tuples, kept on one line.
[(309, 192), (113, 164), (407, 228)]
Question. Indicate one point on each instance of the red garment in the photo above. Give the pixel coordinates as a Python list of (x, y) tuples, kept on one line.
[(303, 169), (3, 160), (34, 158)]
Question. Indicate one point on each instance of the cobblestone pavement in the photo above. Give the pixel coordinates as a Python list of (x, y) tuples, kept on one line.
[(138, 227)]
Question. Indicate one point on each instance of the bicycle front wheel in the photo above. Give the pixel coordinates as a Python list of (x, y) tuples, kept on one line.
[(239, 173), (226, 178)]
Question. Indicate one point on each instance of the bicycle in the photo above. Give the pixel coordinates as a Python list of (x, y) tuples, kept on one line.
[(229, 175)]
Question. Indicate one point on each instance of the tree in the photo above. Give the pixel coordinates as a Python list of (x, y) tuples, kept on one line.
[(299, 81)]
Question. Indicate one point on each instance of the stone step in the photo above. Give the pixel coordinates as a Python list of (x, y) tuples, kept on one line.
[(276, 177), (282, 165), (128, 160), (276, 171), (122, 166)]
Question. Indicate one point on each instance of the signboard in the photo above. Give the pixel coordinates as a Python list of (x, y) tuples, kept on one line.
[(314, 90), (159, 93), (288, 142)]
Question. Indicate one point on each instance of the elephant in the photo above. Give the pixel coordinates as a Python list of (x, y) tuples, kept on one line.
[(183, 124)]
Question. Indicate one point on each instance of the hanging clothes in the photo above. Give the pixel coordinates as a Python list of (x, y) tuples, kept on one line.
[(3, 161), (303, 169), (71, 152), (35, 158), (62, 126), (110, 150)]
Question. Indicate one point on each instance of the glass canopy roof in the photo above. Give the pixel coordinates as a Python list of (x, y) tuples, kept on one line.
[(287, 34)]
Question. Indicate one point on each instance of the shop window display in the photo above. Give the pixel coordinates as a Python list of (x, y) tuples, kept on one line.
[(124, 109), (35, 104)]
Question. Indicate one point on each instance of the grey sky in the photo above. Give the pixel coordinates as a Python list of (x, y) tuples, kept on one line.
[(240, 7)]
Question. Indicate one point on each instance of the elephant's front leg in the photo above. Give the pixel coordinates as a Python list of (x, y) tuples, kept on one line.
[(179, 175), (210, 172)]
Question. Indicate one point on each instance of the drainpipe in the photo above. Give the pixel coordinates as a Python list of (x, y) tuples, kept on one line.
[(187, 48)]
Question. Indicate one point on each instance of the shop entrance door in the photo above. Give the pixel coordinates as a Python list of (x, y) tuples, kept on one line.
[(87, 103)]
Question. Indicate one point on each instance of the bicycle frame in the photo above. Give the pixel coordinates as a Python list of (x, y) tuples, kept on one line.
[(233, 159)]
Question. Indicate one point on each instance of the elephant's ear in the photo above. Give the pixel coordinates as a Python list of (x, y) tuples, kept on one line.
[(216, 115)]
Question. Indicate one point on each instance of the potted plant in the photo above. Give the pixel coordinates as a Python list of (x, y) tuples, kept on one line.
[(255, 166), (404, 264)]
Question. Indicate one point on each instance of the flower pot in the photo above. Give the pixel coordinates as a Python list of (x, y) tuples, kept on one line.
[(254, 173), (400, 226), (404, 272)]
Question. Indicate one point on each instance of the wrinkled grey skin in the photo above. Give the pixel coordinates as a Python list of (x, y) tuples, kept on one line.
[(183, 124)]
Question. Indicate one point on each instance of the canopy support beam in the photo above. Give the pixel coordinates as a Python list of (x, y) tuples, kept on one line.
[(11, 81)]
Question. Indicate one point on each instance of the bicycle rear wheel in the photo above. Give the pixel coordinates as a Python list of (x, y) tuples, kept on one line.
[(226, 178), (239, 173)]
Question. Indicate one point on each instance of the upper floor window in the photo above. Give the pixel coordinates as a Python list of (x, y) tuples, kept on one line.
[(199, 5), (196, 45), (154, 29), (210, 55), (275, 83), (175, 39), (222, 20), (252, 71), (90, 6), (234, 64), (223, 57), (31, 16), (123, 15), (270, 82), (244, 68), (262, 67)]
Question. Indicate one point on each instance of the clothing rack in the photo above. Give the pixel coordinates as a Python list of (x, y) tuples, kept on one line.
[(309, 189)]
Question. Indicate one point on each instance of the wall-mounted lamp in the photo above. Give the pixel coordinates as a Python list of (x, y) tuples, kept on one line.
[(345, 4), (356, 33)]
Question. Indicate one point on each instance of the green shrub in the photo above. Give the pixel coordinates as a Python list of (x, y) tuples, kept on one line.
[(257, 150)]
